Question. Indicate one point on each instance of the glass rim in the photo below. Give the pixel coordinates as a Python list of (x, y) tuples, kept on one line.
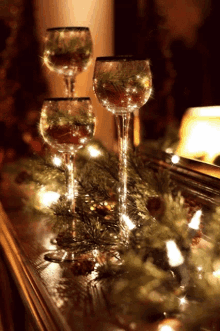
[(66, 28), (119, 58), (68, 99)]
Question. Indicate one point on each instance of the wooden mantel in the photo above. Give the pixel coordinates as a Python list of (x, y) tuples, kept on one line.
[(53, 297)]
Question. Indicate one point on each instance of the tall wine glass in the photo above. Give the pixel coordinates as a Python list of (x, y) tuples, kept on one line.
[(68, 51), (67, 124), (122, 85)]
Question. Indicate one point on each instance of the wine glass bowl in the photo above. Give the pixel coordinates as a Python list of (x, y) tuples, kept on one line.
[(122, 84), (67, 124), (68, 51)]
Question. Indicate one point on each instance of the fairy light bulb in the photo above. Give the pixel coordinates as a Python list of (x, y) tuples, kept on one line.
[(93, 151), (165, 328), (128, 222), (195, 221), (183, 301), (216, 267), (175, 159), (46, 198), (57, 161), (174, 255), (169, 324)]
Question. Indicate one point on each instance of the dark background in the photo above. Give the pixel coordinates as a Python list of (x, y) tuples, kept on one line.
[(184, 63), (184, 57)]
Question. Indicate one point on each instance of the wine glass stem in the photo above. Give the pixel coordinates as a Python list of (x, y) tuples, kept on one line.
[(123, 122), (69, 85), (70, 182)]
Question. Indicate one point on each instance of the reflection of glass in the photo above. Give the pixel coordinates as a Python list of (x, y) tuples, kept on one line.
[(68, 51), (67, 124), (122, 85)]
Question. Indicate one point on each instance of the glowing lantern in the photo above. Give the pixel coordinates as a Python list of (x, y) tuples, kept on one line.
[(200, 134)]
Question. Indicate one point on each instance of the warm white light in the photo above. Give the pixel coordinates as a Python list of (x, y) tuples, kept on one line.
[(183, 301), (195, 221), (57, 161), (216, 267), (169, 150), (199, 132), (94, 152), (128, 222), (216, 273), (165, 328), (69, 167), (95, 252), (83, 140), (174, 255), (46, 61), (48, 197), (175, 159)]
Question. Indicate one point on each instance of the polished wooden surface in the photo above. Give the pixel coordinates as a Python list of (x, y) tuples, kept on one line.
[(193, 178), (55, 297)]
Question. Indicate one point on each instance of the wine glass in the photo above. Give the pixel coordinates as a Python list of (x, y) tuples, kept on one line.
[(68, 51), (67, 124), (122, 85)]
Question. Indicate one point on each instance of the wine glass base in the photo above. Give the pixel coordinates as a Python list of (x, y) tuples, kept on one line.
[(59, 256), (53, 241), (64, 255)]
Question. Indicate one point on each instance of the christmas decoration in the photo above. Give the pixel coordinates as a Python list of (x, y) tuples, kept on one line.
[(168, 277)]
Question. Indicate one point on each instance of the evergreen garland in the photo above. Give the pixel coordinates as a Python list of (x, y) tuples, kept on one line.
[(145, 284)]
